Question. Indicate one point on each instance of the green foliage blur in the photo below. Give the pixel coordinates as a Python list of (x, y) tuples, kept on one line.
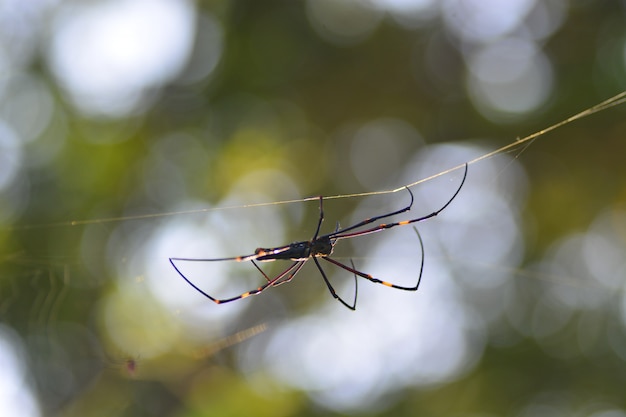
[(273, 121)]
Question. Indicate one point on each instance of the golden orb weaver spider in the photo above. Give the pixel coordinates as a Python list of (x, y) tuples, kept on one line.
[(320, 247)]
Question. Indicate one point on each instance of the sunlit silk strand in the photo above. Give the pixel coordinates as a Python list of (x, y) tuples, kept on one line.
[(604, 105)]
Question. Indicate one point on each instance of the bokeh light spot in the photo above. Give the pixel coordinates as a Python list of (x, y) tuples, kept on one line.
[(508, 79), (110, 55), (480, 20), (16, 397), (343, 22)]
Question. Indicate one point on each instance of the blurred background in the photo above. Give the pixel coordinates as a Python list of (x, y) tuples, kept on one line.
[(132, 131)]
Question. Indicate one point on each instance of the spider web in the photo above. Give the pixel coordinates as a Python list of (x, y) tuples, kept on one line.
[(38, 295)]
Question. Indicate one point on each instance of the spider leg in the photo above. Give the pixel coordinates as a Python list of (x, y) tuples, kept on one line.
[(356, 285), (332, 290), (321, 219), (373, 219), (384, 226), (272, 282), (378, 281), (289, 277), (268, 279), (259, 253)]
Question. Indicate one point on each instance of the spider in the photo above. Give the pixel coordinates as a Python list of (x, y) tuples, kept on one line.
[(320, 247)]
